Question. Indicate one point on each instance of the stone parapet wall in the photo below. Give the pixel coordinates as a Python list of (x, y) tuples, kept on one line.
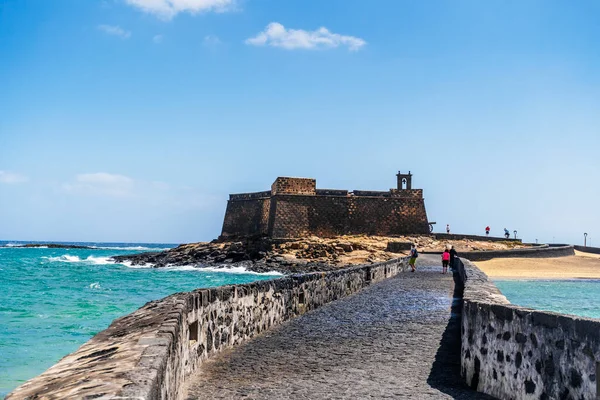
[(513, 352), (149, 354), (534, 252), (250, 196), (588, 249), (483, 238)]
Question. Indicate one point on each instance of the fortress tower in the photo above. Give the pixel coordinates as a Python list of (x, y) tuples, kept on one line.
[(295, 208)]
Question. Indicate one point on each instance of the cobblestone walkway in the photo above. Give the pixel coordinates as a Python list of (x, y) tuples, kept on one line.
[(395, 339)]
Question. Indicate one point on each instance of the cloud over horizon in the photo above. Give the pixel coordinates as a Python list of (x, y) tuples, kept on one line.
[(101, 183), (276, 35), (115, 31), (12, 178), (167, 9)]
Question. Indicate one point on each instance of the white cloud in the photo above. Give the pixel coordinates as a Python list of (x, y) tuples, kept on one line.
[(277, 35), (157, 39), (115, 31), (11, 177), (167, 9), (101, 184), (211, 41)]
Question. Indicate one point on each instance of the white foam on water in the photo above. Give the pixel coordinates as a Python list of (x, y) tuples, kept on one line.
[(237, 270), (75, 259), (224, 269), (95, 285), (128, 264)]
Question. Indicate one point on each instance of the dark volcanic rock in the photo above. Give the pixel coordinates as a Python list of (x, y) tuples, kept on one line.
[(255, 254)]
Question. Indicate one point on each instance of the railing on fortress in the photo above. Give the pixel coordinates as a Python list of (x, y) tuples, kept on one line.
[(331, 192), (250, 196)]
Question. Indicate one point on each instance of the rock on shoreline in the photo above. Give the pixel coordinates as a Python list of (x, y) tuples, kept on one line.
[(262, 254)]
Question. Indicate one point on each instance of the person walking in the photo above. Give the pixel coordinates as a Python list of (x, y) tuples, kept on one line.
[(453, 256), (413, 257), (506, 233), (448, 228), (445, 260), (487, 230)]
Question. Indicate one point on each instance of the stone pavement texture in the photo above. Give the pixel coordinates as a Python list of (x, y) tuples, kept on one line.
[(396, 339)]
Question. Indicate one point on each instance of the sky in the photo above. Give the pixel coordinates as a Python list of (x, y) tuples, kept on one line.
[(132, 120)]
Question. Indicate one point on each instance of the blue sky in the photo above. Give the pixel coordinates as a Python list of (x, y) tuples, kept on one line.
[(131, 120)]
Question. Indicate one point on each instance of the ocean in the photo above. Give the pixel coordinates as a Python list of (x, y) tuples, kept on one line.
[(54, 300), (576, 296)]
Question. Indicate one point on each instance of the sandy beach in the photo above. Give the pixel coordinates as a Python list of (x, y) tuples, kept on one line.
[(580, 266)]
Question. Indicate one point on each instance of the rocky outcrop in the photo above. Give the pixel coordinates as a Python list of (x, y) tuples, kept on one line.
[(262, 254)]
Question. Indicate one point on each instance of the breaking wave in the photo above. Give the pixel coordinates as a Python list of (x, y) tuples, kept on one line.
[(227, 269), (76, 259)]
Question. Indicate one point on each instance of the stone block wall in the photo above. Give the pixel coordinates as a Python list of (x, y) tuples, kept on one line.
[(149, 354), (330, 216), (294, 186), (513, 352), (247, 216)]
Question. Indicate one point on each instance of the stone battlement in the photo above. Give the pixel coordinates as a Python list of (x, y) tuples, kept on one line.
[(295, 208)]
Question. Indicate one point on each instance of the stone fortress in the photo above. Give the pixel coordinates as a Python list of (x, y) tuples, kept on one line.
[(295, 208)]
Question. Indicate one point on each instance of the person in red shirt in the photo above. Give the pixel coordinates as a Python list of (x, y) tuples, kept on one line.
[(487, 231), (445, 260)]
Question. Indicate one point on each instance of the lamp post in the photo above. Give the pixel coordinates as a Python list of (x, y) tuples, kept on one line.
[(515, 232), (585, 239)]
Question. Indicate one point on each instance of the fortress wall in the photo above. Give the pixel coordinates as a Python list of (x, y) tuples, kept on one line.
[(390, 216), (516, 352), (329, 216), (295, 216), (246, 217), (149, 354)]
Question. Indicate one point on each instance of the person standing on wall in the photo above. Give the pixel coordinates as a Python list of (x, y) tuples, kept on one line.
[(453, 256), (445, 260), (448, 228), (506, 233), (487, 230), (413, 257)]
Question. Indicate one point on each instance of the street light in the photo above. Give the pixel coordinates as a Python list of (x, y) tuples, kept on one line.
[(585, 239), (515, 232)]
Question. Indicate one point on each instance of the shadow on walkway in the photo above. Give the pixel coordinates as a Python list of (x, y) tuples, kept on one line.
[(445, 371)]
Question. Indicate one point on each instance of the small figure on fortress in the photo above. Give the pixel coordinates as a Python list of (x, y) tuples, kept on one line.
[(448, 228), (413, 257), (506, 233), (487, 231), (453, 255), (445, 260)]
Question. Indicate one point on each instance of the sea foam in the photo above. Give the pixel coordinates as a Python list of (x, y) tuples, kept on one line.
[(76, 259)]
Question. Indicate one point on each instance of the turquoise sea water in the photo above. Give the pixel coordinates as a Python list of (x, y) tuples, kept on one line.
[(54, 300), (578, 297)]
